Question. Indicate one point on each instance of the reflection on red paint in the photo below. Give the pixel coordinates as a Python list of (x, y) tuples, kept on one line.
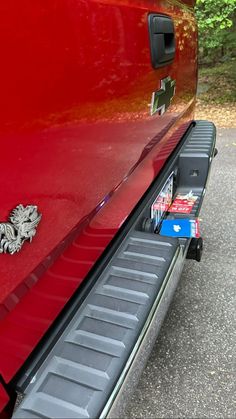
[(77, 139)]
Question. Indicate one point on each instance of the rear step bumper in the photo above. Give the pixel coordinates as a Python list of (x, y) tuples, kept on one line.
[(97, 360)]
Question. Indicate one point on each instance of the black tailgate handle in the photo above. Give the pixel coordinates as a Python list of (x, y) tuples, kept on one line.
[(162, 40)]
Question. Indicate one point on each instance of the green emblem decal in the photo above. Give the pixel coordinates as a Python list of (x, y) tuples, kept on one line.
[(162, 98)]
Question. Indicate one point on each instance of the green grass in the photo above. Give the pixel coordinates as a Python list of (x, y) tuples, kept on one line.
[(218, 83)]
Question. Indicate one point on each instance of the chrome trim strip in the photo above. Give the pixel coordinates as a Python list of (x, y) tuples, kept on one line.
[(117, 401)]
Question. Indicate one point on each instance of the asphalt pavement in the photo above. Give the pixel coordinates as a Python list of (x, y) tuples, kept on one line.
[(192, 370)]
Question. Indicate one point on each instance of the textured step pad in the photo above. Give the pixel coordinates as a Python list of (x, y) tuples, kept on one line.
[(80, 372)]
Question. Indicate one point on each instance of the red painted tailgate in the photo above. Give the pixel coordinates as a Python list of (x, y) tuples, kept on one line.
[(77, 139)]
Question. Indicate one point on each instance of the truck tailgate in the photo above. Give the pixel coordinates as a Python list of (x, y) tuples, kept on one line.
[(78, 141)]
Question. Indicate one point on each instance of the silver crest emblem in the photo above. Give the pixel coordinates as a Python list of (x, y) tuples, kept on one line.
[(22, 225)]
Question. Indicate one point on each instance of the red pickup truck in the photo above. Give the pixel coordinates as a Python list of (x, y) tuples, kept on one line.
[(97, 126)]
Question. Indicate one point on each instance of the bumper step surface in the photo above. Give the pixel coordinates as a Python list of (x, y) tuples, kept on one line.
[(78, 376)]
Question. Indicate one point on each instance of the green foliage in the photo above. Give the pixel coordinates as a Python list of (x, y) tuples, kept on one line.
[(216, 22)]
